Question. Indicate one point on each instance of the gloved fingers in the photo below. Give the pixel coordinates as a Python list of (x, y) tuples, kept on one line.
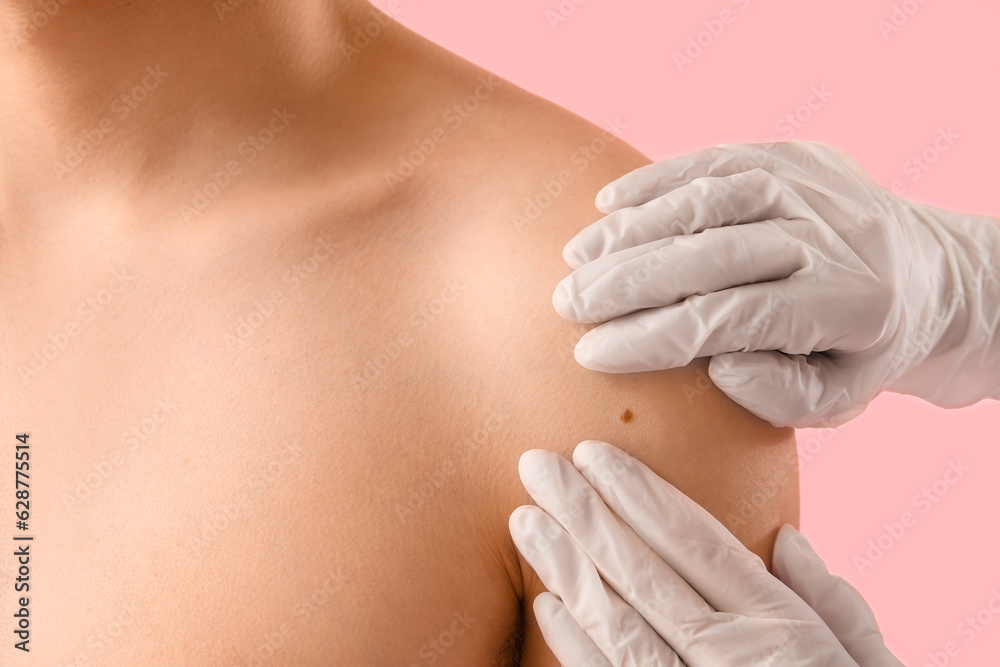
[(645, 582), (710, 201), (626, 624), (790, 390), (564, 636), (749, 317), (571, 644), (838, 603), (623, 559), (667, 271), (729, 577), (782, 628), (651, 181), (613, 625)]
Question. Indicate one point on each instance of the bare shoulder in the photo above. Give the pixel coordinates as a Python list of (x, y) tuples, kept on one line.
[(482, 144), (510, 181), (537, 165), (512, 184), (537, 171)]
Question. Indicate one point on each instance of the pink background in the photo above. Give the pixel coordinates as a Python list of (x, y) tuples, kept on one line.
[(889, 97)]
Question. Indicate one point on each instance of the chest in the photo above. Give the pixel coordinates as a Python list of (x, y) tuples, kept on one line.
[(219, 477)]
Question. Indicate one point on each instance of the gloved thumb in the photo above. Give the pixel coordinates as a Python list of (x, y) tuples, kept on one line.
[(838, 603), (785, 389)]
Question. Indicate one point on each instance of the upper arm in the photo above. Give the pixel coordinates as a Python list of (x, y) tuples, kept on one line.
[(740, 468)]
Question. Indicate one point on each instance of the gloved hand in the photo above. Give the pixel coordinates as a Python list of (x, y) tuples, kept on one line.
[(656, 580), (812, 287)]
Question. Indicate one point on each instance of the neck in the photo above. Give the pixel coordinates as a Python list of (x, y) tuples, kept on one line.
[(102, 96)]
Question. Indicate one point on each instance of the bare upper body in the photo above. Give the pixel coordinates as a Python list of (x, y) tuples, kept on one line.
[(284, 429)]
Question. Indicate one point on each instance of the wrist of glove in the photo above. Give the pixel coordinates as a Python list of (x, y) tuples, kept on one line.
[(951, 353)]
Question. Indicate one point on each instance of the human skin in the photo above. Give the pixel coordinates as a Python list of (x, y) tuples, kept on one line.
[(286, 427)]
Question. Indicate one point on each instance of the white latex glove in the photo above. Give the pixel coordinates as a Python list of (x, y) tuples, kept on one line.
[(825, 287), (656, 580)]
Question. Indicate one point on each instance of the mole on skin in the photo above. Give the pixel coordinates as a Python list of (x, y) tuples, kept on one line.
[(626, 416)]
